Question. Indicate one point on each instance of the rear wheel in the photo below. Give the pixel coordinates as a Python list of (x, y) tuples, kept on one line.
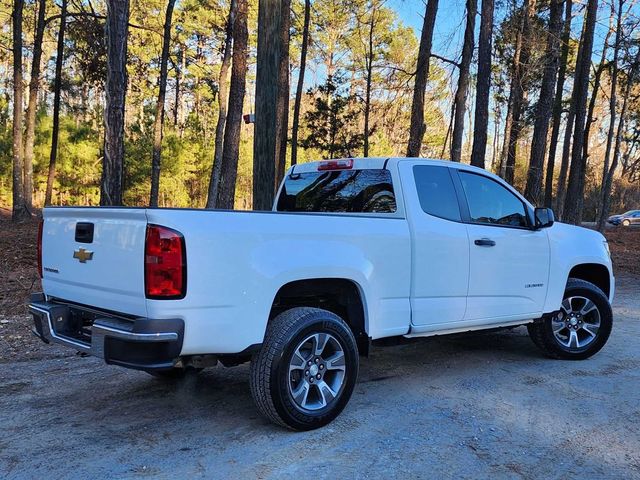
[(626, 223), (581, 327), (306, 370)]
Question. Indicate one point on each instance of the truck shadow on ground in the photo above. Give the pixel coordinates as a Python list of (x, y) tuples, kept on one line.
[(224, 392), (464, 405)]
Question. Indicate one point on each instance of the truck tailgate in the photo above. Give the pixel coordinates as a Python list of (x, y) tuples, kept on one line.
[(104, 269)]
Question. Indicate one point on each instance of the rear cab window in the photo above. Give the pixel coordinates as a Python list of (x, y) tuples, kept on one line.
[(338, 191)]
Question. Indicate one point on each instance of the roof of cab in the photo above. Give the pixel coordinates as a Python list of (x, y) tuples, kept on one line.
[(379, 162)]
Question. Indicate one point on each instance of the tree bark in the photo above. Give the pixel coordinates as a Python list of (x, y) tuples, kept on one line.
[(557, 105), (117, 29), (483, 85), (606, 190), (594, 97), (229, 167), (533, 189), (265, 141), (566, 146), (513, 93), (606, 177), (282, 116), (57, 86), (519, 89), (20, 212), (369, 69), (179, 64), (158, 123), (575, 188), (417, 127), (460, 100), (300, 86), (32, 108), (223, 99)]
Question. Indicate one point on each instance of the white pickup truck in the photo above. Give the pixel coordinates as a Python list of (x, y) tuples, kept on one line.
[(354, 250)]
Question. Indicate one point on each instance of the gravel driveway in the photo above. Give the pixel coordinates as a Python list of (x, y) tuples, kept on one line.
[(467, 406)]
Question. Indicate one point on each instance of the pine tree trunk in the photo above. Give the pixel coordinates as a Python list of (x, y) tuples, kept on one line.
[(367, 96), (518, 88), (417, 126), (265, 132), (502, 164), (223, 100), (32, 108), (300, 86), (158, 123), (556, 119), (460, 100), (483, 85), (513, 93), (575, 188), (608, 180), (602, 66), (566, 145), (533, 189), (117, 29), (57, 86), (282, 115), (606, 177), (176, 101), (229, 168), (20, 212)]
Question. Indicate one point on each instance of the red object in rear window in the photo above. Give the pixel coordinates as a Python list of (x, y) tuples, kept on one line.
[(165, 264), (40, 227), (346, 164)]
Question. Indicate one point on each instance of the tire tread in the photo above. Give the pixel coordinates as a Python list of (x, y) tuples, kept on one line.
[(278, 332)]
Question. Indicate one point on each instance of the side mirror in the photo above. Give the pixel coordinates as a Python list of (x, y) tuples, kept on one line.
[(544, 217)]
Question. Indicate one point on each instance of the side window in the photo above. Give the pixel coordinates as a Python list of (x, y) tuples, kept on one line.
[(489, 202), (436, 192), (353, 191)]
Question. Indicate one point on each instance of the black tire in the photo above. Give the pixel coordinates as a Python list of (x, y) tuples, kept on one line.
[(541, 332), (626, 223), (173, 373), (270, 377)]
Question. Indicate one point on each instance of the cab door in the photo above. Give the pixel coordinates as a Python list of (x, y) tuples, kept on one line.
[(439, 245), (509, 261)]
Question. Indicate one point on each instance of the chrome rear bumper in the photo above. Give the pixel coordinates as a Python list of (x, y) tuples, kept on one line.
[(139, 343)]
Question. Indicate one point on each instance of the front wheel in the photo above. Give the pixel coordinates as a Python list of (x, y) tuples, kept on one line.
[(626, 223), (581, 327), (305, 372)]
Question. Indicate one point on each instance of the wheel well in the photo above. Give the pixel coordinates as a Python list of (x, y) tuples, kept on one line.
[(594, 273), (337, 295)]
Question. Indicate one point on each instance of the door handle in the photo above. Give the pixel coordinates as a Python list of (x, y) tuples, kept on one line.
[(484, 242)]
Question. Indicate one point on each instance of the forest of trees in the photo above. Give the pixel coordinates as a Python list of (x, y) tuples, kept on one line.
[(205, 103)]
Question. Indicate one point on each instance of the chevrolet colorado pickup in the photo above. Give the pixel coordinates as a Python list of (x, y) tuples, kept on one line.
[(354, 250)]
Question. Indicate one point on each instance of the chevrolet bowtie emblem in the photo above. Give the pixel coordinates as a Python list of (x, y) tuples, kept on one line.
[(83, 255)]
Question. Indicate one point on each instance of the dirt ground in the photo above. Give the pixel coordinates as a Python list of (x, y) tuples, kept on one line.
[(482, 405)]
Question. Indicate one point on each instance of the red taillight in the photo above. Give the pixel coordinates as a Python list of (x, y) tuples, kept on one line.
[(40, 247), (165, 263), (345, 164)]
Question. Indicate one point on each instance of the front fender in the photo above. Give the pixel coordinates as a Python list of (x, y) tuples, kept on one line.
[(572, 246)]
